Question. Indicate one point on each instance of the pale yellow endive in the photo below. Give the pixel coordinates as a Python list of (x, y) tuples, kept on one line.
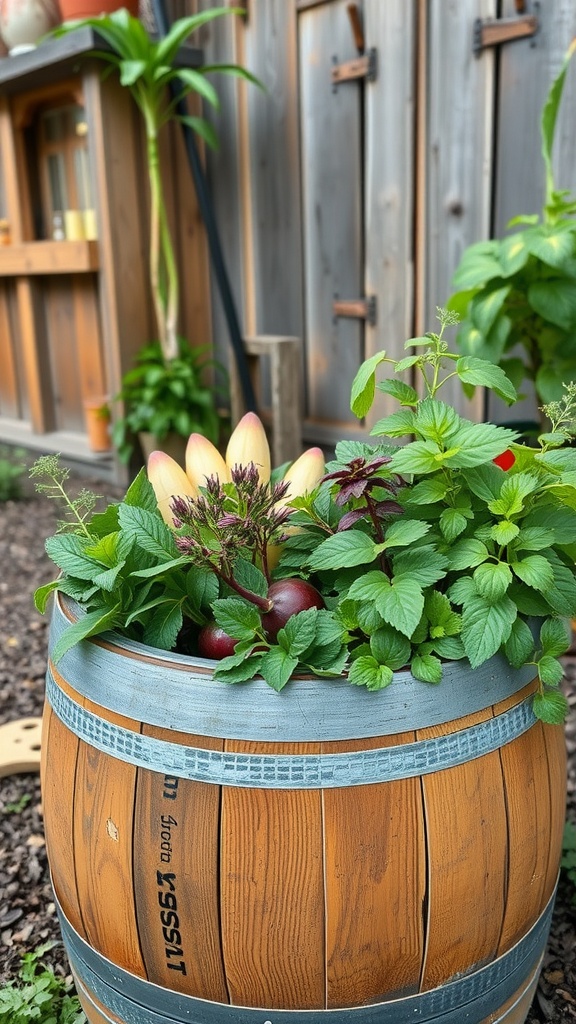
[(203, 460), (168, 480), (248, 443)]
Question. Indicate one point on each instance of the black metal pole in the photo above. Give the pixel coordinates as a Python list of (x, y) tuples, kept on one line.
[(214, 245)]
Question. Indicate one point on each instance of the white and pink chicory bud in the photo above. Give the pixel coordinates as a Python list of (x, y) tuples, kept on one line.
[(168, 481), (248, 443)]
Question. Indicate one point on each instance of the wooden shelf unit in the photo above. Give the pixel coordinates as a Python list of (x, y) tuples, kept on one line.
[(74, 313), (34, 258)]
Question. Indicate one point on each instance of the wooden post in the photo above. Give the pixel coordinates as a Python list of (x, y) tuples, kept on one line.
[(285, 415)]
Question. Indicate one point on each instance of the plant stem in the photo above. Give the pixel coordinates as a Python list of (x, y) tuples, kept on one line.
[(161, 249), (263, 603)]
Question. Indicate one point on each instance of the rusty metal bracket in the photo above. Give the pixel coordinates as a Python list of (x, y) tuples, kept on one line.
[(358, 309), (494, 32), (365, 66)]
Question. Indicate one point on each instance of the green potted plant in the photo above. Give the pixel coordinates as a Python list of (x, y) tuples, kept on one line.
[(165, 402), (149, 68), (515, 295), (303, 739)]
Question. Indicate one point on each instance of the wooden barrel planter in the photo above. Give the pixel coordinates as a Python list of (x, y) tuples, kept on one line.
[(230, 855)]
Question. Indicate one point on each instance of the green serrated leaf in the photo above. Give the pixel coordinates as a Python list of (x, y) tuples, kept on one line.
[(364, 384), (67, 551), (230, 671), (250, 577), (486, 627), (277, 667), (466, 554), (504, 532), (236, 617), (550, 671), (427, 668), (554, 637), (148, 531), (405, 394), (403, 532), (452, 524), (88, 625), (389, 647), (480, 372), (164, 625), (492, 580), (401, 604), (519, 646), (535, 571), (299, 632), (365, 671), (550, 707), (424, 564), (342, 550)]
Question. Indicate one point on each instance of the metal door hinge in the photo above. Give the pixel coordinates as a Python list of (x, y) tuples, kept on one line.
[(365, 66), (494, 32), (359, 309)]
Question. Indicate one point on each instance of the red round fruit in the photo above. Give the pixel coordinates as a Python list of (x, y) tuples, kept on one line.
[(288, 598), (213, 642)]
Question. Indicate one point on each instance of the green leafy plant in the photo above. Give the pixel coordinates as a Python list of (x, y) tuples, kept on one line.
[(163, 398), (457, 545), (11, 474), (149, 69), (38, 995), (16, 807), (517, 296)]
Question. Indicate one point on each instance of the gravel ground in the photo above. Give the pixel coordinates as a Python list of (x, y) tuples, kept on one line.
[(27, 915)]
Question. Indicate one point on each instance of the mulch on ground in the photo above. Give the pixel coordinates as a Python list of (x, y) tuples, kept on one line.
[(27, 912)]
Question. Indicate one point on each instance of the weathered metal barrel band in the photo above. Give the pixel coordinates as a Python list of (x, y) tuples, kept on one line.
[(290, 771), (170, 691), (470, 998)]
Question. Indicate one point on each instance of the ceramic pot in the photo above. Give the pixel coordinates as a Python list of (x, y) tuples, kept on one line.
[(225, 854), (24, 22), (73, 9)]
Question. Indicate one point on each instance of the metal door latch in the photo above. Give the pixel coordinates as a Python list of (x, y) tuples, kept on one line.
[(359, 309), (365, 66), (494, 32)]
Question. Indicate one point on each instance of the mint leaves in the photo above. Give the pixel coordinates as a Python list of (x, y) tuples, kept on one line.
[(457, 544)]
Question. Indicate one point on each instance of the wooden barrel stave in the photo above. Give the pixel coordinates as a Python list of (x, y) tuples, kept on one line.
[(178, 835)]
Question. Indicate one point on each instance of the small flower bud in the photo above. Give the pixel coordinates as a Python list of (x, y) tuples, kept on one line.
[(203, 460), (248, 443), (168, 480)]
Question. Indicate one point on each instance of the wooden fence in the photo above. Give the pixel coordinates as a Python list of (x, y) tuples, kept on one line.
[(330, 188)]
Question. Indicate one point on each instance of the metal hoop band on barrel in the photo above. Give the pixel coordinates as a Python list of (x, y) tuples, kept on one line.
[(470, 998), (290, 771), (169, 690)]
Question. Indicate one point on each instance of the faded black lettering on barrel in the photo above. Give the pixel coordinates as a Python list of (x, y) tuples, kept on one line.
[(166, 882)]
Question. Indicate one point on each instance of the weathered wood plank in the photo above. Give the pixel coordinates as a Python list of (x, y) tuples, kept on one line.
[(457, 155), (176, 877), (331, 127), (389, 167), (33, 258), (376, 867), (272, 892)]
